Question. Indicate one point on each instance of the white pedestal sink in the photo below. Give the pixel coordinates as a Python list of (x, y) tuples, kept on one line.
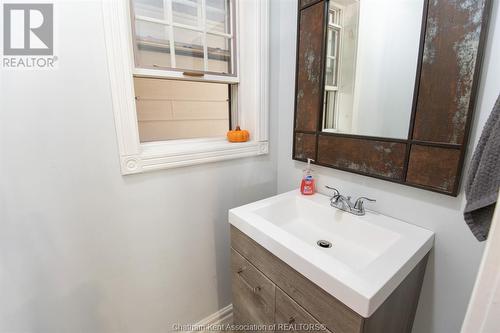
[(369, 257)]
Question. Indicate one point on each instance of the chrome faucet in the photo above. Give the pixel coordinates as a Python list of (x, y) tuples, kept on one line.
[(344, 203)]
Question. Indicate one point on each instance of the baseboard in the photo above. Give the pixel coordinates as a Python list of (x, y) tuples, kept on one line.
[(221, 318)]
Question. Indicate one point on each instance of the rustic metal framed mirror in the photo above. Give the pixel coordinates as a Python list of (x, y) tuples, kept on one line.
[(425, 106)]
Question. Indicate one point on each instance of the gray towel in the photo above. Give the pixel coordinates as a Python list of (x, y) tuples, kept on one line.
[(483, 180)]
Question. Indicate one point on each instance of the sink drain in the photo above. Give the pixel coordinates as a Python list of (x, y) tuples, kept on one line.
[(324, 243)]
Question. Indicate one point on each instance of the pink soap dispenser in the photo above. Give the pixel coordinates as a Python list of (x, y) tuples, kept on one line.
[(307, 184)]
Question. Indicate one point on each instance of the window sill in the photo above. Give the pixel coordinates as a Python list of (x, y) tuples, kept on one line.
[(179, 153)]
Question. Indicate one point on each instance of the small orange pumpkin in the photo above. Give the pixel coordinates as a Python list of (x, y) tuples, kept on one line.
[(238, 135)]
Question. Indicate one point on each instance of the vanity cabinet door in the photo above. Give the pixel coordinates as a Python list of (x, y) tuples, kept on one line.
[(337, 317), (291, 317), (253, 294)]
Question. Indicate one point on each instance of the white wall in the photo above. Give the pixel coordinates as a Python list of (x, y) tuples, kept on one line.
[(83, 249), (454, 262), (483, 310)]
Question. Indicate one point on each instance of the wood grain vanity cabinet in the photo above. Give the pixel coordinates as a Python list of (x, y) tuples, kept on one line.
[(266, 290)]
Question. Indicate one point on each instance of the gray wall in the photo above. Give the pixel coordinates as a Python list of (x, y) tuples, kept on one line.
[(455, 260), (83, 249)]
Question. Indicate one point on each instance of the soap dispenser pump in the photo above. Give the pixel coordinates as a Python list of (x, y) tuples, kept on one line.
[(307, 184)]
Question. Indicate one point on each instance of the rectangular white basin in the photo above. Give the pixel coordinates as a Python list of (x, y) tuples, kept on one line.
[(369, 257)]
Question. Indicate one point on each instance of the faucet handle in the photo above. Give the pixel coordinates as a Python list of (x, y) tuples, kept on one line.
[(335, 191), (359, 204)]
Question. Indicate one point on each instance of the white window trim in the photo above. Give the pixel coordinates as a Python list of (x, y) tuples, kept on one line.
[(253, 96)]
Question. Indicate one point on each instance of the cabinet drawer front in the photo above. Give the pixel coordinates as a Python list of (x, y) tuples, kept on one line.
[(290, 316), (336, 316), (253, 294)]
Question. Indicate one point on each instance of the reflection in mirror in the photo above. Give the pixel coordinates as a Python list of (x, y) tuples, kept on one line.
[(370, 67)]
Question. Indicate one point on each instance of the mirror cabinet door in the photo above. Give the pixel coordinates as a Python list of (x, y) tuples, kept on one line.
[(386, 88)]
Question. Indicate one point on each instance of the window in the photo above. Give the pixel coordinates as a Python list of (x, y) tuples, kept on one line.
[(332, 77), (182, 73), (195, 37), (186, 35)]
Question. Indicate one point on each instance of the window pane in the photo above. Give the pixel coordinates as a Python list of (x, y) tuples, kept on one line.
[(170, 109), (187, 38), (334, 72), (149, 8), (333, 38), (218, 16), (219, 54), (329, 42), (335, 48), (334, 16), (187, 12), (152, 32), (152, 44), (188, 49), (331, 97), (332, 57), (330, 72)]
